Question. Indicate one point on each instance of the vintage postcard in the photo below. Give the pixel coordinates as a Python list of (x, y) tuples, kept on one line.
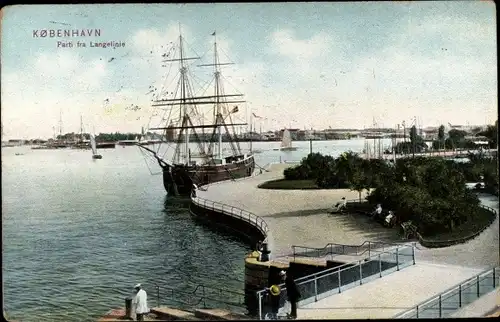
[(315, 160)]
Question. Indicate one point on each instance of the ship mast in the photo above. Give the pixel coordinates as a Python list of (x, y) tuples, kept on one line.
[(217, 110), (183, 97), (81, 129), (186, 99), (60, 124)]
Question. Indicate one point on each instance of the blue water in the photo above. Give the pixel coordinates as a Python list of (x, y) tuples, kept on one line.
[(79, 233)]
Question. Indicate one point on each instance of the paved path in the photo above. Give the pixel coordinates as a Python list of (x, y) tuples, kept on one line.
[(390, 295), (481, 306), (428, 154), (300, 217), (296, 217), (481, 252)]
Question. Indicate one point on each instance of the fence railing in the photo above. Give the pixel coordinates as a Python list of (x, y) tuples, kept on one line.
[(335, 280), (202, 296), (235, 212), (341, 249), (449, 301)]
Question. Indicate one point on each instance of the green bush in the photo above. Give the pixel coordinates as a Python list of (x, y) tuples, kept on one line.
[(298, 172), (430, 192)]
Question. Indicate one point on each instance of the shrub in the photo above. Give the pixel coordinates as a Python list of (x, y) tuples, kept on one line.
[(298, 172), (430, 192)]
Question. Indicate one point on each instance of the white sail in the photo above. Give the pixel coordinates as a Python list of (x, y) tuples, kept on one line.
[(93, 144), (286, 142)]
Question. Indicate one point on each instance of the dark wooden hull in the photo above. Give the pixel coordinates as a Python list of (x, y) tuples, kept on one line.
[(106, 145), (178, 179)]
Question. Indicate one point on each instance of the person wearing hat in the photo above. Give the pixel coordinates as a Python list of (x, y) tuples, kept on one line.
[(292, 292), (274, 301), (140, 302)]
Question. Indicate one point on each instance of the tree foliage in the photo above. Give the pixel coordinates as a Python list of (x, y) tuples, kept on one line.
[(441, 133), (491, 133), (431, 192)]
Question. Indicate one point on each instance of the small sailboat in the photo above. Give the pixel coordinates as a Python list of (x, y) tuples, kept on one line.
[(286, 142), (93, 145)]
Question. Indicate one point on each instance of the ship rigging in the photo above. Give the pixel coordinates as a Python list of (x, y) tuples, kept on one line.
[(186, 170)]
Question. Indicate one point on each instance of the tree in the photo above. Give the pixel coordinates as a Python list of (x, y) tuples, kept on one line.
[(358, 180), (491, 133), (441, 133), (456, 135), (413, 134), (441, 136)]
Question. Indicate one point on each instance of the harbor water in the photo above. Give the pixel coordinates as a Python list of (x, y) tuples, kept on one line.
[(79, 233)]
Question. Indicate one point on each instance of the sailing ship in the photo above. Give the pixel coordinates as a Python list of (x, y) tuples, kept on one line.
[(93, 145), (186, 170), (286, 142)]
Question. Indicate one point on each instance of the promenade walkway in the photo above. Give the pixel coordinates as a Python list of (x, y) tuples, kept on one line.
[(300, 217), (481, 252), (390, 295), (481, 307), (296, 217), (447, 154)]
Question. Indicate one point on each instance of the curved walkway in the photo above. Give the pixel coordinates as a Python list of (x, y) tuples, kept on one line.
[(295, 217), (480, 252), (300, 217)]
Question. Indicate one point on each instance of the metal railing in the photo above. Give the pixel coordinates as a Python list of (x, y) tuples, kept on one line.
[(341, 249), (337, 279), (235, 212), (202, 296), (456, 297), (488, 208)]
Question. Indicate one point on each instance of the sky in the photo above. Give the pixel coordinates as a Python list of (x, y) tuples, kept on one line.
[(300, 65)]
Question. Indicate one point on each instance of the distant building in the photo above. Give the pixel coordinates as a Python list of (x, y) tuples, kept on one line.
[(269, 136)]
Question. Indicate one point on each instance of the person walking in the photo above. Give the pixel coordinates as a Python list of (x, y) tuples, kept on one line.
[(274, 302), (140, 302), (292, 292)]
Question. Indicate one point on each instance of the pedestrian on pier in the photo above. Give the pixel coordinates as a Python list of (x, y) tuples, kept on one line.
[(292, 292), (140, 302), (274, 301)]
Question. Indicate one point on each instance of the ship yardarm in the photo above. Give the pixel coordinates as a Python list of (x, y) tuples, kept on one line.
[(55, 33)]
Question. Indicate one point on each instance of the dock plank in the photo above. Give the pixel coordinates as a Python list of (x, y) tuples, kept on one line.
[(172, 314)]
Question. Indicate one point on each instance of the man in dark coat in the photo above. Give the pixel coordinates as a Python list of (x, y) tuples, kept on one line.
[(292, 292)]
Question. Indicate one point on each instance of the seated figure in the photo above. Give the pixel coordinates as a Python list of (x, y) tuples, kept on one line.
[(340, 206), (389, 219), (377, 212)]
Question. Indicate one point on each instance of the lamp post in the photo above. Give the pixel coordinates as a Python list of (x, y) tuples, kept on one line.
[(404, 135)]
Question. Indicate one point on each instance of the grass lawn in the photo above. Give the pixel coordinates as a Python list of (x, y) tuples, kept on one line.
[(284, 184), (483, 219)]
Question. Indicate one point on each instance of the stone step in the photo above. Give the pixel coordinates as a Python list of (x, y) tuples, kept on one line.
[(171, 314), (218, 314)]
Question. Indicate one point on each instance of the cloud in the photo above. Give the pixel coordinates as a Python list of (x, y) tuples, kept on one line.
[(285, 43), (48, 84), (339, 77)]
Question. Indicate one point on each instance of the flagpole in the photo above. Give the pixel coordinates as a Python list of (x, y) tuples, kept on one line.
[(251, 122)]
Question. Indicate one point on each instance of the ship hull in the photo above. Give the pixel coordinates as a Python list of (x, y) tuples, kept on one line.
[(106, 145), (178, 180)]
